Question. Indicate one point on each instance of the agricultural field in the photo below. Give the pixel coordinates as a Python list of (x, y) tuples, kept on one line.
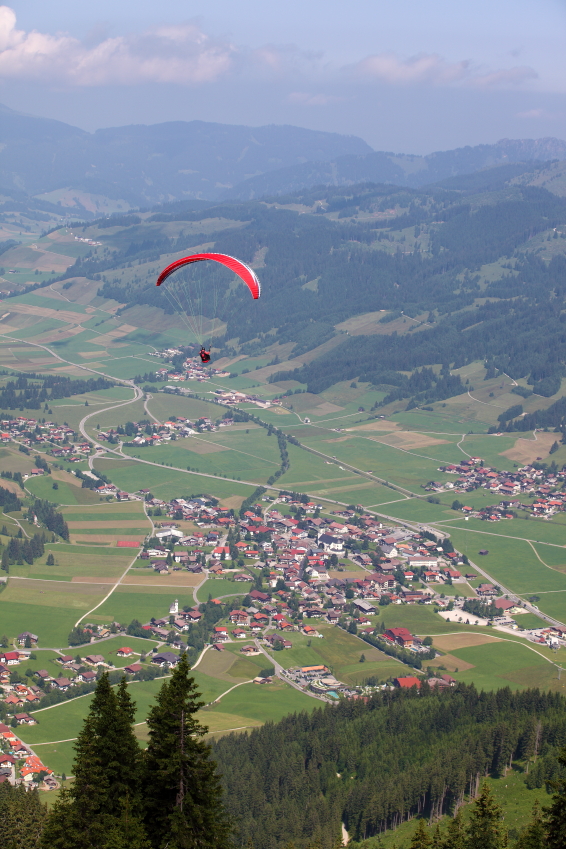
[(167, 483), (222, 587)]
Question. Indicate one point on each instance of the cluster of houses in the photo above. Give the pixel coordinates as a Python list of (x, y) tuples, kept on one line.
[(193, 369), (160, 434), (32, 432), (541, 485), (19, 765)]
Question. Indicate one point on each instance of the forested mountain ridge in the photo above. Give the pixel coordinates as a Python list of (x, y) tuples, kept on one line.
[(140, 165), (399, 169), (370, 766), (482, 265), (145, 164)]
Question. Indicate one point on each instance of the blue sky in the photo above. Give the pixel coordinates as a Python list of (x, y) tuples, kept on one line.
[(407, 76)]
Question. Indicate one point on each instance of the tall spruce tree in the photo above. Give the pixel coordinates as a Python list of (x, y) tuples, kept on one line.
[(182, 791), (421, 837), (533, 836), (555, 814), (107, 773), (485, 828), (454, 836)]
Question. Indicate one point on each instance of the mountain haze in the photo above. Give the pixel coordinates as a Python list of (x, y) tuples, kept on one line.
[(148, 164), (399, 169)]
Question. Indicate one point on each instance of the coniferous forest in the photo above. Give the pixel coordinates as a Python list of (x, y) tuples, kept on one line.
[(371, 766), (515, 323), (368, 764)]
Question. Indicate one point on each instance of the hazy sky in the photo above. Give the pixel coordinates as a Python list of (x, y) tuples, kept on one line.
[(407, 76)]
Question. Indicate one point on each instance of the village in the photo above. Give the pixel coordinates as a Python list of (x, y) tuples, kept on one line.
[(294, 566), (193, 369), (544, 485)]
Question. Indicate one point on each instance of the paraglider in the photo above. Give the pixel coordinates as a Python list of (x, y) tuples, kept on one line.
[(196, 299)]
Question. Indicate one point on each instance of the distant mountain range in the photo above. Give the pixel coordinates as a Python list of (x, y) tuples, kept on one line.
[(398, 169), (144, 165)]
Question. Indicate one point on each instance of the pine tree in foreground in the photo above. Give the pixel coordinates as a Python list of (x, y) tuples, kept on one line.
[(555, 814), (455, 834), (533, 836), (485, 828), (107, 773), (182, 791), (421, 837)]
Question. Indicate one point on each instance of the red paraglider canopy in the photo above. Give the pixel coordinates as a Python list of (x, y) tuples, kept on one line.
[(243, 271)]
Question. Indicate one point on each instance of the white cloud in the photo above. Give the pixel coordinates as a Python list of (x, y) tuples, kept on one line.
[(506, 77), (185, 55), (306, 99), (170, 54), (534, 113), (432, 69), (424, 68)]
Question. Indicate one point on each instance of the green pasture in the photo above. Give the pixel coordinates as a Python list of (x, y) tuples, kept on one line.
[(230, 665), (457, 590), (164, 405), (439, 422), (355, 673), (57, 756), (529, 621), (124, 511), (165, 482), (38, 594), (403, 468), (261, 703), (420, 619), (553, 604), (45, 659), (126, 363), (308, 470), (233, 463), (510, 561), (88, 550), (108, 648), (552, 556), (42, 487), (52, 624), (113, 418), (13, 460), (507, 664), (67, 566), (421, 510), (131, 602), (49, 303), (551, 531), (220, 587), (337, 650), (117, 532)]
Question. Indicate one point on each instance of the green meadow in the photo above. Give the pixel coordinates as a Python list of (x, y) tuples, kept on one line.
[(167, 483), (42, 487), (136, 602), (221, 587), (507, 664)]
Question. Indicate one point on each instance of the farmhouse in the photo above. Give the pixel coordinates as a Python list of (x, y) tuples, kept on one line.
[(401, 636)]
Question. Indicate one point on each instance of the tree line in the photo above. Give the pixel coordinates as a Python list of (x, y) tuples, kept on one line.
[(374, 765)]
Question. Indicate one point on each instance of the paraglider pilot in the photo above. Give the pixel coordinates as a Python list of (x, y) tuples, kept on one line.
[(204, 355)]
